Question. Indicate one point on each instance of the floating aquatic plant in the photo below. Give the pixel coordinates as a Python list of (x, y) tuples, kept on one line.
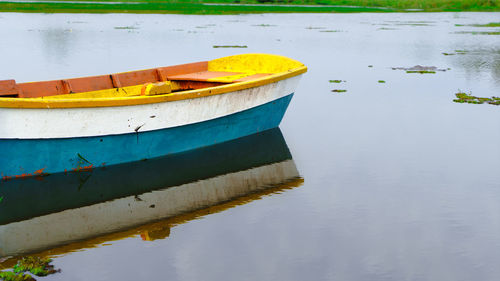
[(421, 71), (230, 46), (478, 32), (381, 81), (491, 24), (36, 265), (264, 25), (125, 27), (467, 98), (335, 81), (456, 52), (315, 27), (339, 91), (12, 276)]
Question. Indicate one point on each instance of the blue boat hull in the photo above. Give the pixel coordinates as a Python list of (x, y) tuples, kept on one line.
[(21, 158)]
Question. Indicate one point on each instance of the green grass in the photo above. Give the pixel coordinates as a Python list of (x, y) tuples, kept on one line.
[(172, 8), (255, 6)]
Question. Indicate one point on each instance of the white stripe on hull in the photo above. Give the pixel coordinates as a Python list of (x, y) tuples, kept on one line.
[(71, 225), (100, 121)]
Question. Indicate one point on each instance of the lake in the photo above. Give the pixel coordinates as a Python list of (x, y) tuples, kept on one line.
[(388, 180)]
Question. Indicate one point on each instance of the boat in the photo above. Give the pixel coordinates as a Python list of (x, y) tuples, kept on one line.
[(67, 212), (79, 124)]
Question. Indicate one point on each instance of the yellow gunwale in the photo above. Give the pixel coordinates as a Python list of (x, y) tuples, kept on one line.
[(140, 100)]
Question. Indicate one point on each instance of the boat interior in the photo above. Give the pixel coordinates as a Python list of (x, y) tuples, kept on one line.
[(155, 81)]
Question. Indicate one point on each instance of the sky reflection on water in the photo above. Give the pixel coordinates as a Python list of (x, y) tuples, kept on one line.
[(400, 183)]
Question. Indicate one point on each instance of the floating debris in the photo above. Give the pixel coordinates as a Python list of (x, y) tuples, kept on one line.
[(315, 27), (230, 46), (370, 65), (339, 91), (330, 30), (336, 81), (466, 98), (419, 69)]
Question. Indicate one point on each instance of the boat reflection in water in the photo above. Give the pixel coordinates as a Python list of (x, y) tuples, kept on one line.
[(146, 197)]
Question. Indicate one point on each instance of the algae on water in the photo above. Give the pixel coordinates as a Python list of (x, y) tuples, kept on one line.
[(36, 265), (12, 276), (230, 46), (466, 98)]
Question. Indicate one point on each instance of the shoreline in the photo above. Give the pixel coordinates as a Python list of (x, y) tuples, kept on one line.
[(216, 8)]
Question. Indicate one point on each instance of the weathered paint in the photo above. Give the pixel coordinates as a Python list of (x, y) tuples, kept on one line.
[(101, 121), (19, 157)]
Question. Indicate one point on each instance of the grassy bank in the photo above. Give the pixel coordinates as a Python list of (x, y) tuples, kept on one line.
[(249, 6), (173, 8)]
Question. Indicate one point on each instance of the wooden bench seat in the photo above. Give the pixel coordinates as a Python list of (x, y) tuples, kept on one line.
[(217, 76)]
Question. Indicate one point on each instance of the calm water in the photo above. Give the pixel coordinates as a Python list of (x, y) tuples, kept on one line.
[(399, 182)]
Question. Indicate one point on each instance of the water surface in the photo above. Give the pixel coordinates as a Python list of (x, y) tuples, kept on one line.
[(400, 182)]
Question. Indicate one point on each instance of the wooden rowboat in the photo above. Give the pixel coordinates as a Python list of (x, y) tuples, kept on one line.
[(84, 123)]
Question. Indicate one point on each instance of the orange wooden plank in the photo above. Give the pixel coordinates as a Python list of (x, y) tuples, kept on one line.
[(101, 82), (202, 75), (252, 77), (8, 88), (41, 89), (137, 77), (183, 69), (88, 84)]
